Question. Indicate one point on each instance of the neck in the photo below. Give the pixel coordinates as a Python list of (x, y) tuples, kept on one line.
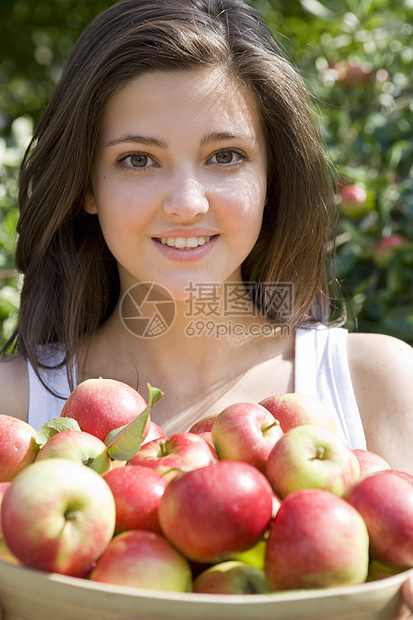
[(199, 359)]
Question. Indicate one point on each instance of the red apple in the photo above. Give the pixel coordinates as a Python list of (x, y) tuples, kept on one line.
[(245, 432), (317, 540), (208, 438), (403, 474), (102, 405), (231, 577), (385, 501), (204, 425), (353, 201), (311, 457), (5, 554), (212, 512), (175, 453), (58, 516), (294, 409), (385, 249), (18, 447), (77, 446), (203, 428), (155, 432), (137, 491), (143, 559), (370, 462)]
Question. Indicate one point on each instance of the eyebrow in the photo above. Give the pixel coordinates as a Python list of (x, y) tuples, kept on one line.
[(135, 138), (222, 136), (215, 136)]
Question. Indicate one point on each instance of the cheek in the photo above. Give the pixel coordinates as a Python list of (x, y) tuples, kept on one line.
[(245, 202), (121, 207)]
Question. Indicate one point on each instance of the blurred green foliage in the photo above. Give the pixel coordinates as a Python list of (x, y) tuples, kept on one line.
[(356, 57)]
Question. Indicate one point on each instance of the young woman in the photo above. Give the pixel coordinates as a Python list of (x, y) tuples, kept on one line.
[(178, 169), (176, 225)]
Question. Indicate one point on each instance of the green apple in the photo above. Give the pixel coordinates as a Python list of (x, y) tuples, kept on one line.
[(58, 516), (310, 456), (77, 446), (255, 556)]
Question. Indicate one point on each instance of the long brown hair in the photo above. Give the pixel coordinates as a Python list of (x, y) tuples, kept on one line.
[(70, 278)]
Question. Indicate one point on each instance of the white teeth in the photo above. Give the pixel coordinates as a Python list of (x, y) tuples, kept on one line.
[(183, 243), (192, 242)]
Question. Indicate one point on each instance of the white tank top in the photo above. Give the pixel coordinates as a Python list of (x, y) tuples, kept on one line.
[(321, 370)]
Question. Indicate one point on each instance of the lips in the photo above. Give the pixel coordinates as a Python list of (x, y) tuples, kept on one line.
[(185, 248)]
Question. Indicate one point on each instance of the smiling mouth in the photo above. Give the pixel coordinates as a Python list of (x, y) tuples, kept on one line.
[(184, 243)]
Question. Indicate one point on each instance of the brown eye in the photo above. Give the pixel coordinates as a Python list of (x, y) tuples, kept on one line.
[(226, 157), (139, 161)]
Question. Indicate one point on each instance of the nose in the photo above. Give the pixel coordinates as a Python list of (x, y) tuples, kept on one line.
[(186, 197)]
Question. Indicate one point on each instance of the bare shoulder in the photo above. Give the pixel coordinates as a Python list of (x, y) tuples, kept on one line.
[(381, 369), (14, 387)]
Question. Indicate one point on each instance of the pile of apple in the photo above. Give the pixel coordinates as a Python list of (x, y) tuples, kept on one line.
[(259, 498)]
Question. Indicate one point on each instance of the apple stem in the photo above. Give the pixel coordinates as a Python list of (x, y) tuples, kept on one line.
[(72, 515), (163, 451), (267, 428), (88, 462), (320, 452)]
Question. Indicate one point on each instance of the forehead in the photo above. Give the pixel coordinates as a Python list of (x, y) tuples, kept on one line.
[(198, 97)]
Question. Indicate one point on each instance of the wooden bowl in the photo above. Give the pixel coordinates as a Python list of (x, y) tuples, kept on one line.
[(27, 594)]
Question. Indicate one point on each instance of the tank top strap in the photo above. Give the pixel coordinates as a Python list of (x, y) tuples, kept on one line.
[(44, 405), (322, 370)]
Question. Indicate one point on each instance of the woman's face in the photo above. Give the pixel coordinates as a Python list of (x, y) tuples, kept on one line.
[(179, 179)]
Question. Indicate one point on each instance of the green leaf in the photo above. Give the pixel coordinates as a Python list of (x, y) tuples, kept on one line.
[(54, 426), (124, 442)]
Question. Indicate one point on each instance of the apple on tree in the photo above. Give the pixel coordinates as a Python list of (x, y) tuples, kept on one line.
[(293, 409), (18, 446), (137, 492), (77, 446), (102, 405), (143, 559), (310, 456), (353, 74), (212, 512), (317, 540), (353, 201), (386, 248), (245, 432), (175, 453), (231, 577), (58, 516)]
